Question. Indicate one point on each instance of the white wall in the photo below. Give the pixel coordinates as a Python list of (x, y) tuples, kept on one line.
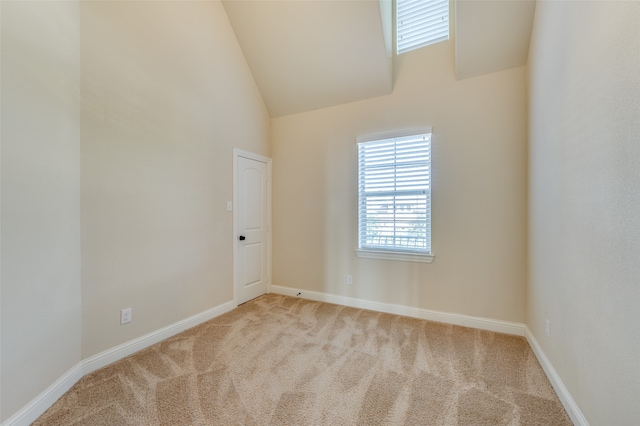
[(479, 192), (40, 234), (584, 213), (119, 121), (166, 95)]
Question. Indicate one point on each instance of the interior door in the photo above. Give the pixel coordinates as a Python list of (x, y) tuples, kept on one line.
[(252, 228)]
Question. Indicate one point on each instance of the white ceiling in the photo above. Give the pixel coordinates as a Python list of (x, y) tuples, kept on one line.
[(310, 54)]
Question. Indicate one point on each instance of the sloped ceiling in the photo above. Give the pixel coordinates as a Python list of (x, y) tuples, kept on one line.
[(491, 35), (308, 54)]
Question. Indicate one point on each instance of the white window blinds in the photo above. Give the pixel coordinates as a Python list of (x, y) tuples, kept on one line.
[(394, 194), (421, 22)]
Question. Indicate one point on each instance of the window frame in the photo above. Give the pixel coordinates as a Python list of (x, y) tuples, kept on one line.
[(387, 253)]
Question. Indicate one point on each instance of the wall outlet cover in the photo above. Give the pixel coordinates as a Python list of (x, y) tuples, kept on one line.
[(125, 316)]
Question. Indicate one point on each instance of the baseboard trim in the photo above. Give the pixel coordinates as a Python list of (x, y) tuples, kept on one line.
[(506, 327), (30, 412), (498, 326), (567, 400), (114, 354)]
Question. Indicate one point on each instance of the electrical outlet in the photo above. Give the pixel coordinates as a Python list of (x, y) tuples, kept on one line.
[(349, 279), (125, 316), (546, 328)]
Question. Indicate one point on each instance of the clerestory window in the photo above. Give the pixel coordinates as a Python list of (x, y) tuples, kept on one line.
[(420, 23)]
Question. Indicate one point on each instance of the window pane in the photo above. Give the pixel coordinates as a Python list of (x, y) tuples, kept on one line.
[(420, 23), (394, 194)]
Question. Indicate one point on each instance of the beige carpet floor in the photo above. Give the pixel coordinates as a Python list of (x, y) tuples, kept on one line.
[(280, 360)]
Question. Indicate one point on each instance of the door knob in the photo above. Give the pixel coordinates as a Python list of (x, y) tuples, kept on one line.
[(242, 238)]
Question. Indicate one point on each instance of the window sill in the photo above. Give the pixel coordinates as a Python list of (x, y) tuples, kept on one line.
[(394, 255)]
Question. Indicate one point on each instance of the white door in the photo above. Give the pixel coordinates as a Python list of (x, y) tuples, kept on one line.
[(252, 217)]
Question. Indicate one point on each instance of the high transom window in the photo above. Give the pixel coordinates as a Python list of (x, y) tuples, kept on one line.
[(420, 23)]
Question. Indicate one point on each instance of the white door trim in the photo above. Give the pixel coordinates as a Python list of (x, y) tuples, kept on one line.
[(236, 232)]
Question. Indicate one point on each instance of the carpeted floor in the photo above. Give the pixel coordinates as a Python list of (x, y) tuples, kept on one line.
[(286, 361)]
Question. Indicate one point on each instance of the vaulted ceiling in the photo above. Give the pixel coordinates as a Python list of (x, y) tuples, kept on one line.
[(310, 54), (491, 35)]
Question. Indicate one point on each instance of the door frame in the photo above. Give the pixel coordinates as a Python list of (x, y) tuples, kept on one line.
[(237, 153)]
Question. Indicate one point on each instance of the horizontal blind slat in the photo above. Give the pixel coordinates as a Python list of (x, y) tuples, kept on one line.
[(412, 7), (411, 21), (426, 43), (432, 29), (423, 34)]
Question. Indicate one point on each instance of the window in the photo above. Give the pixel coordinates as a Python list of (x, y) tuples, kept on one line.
[(394, 197), (420, 23)]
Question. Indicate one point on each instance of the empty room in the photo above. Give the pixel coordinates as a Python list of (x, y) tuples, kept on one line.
[(319, 212)]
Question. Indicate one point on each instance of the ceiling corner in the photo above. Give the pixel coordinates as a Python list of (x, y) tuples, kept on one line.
[(491, 35)]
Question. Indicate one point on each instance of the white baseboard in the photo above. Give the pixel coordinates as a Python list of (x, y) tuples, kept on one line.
[(506, 327), (109, 356), (30, 412), (42, 402), (563, 393), (457, 319)]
